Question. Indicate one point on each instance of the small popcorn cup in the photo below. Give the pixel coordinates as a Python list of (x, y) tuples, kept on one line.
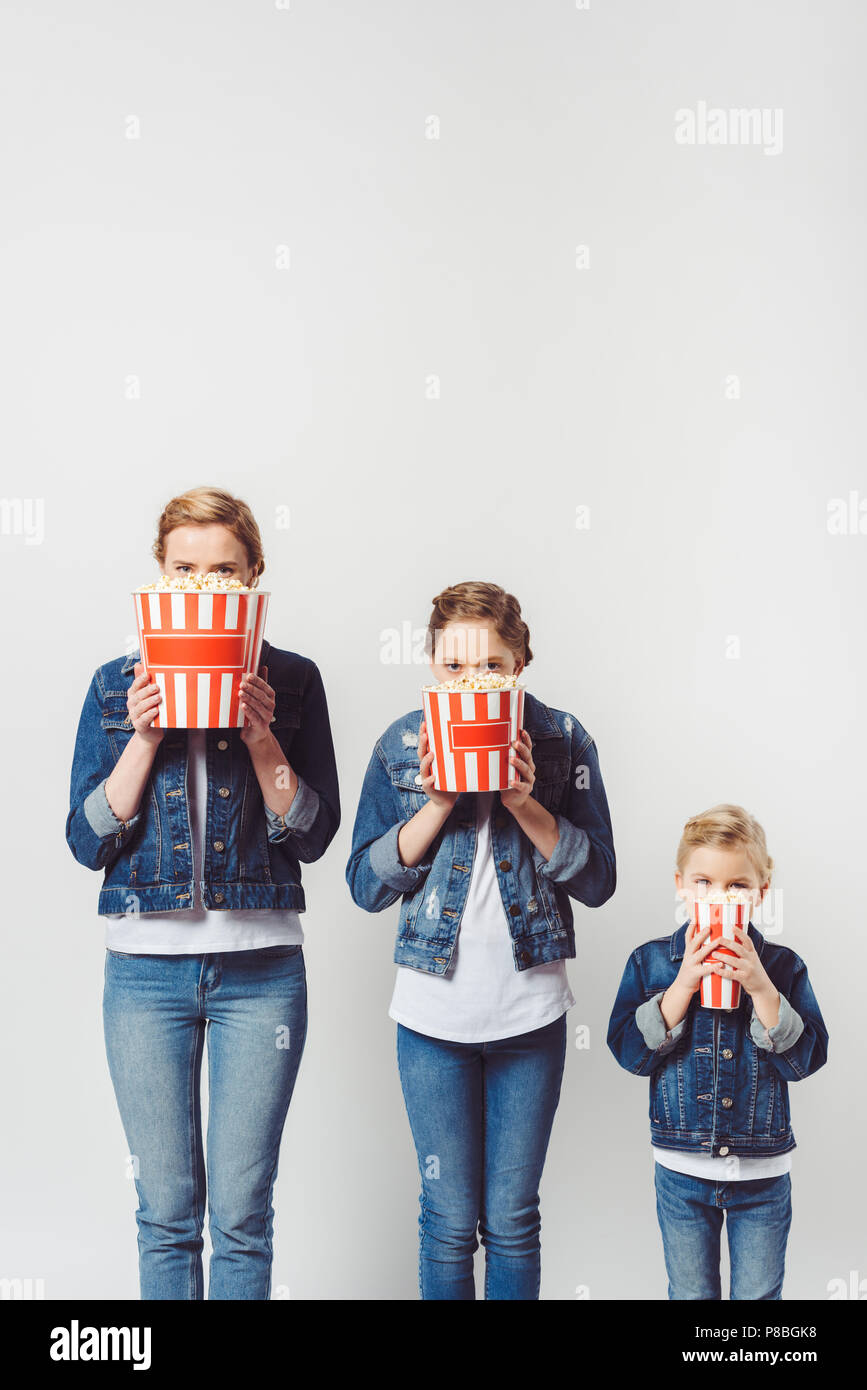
[(470, 733), (196, 645), (717, 991)]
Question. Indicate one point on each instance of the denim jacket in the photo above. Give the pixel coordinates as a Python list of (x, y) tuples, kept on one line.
[(535, 891), (252, 856), (719, 1078)]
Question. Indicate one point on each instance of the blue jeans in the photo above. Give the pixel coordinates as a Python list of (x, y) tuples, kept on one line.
[(758, 1215), (158, 1011), (481, 1116)]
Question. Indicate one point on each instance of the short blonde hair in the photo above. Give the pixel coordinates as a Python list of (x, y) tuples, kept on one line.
[(202, 506), (726, 827), (477, 599)]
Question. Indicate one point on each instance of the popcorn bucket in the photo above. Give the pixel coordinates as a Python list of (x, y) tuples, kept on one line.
[(718, 992), (196, 646), (470, 733)]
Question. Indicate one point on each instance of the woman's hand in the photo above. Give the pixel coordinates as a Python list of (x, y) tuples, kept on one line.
[(425, 764), (257, 701), (143, 703), (520, 757)]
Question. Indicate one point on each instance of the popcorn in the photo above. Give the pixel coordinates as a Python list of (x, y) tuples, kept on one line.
[(489, 681), (212, 582), (741, 897)]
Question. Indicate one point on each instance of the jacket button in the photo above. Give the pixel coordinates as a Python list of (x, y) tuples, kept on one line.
[(218, 897), (418, 779), (525, 956), (514, 910), (505, 865), (224, 791), (222, 743), (726, 1102), (724, 1148), (728, 1054), (219, 846)]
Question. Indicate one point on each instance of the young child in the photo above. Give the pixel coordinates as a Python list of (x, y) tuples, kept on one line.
[(484, 931), (719, 1104)]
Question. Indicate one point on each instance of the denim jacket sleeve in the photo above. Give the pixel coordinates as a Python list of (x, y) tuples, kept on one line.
[(637, 1034), (797, 1045), (582, 861), (314, 816), (375, 874), (93, 832)]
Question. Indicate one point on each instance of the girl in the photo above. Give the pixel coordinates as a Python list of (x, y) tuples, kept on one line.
[(485, 928), (719, 1078), (200, 833)]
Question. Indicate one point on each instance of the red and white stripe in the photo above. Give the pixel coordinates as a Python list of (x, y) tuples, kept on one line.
[(196, 646), (470, 733), (718, 991)]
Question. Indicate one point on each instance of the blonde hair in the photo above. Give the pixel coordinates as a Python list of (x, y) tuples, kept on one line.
[(726, 827), (476, 599), (202, 506)]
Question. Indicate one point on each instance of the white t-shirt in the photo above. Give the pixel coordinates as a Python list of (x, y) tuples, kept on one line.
[(195, 930), (721, 1168), (481, 997)]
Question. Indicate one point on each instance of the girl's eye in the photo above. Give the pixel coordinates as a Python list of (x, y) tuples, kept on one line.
[(702, 880)]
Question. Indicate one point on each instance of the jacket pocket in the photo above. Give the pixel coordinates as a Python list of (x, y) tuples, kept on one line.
[(408, 791), (552, 781), (115, 722), (287, 708)]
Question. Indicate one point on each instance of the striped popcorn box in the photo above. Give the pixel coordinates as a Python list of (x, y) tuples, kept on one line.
[(718, 992), (469, 733), (196, 646)]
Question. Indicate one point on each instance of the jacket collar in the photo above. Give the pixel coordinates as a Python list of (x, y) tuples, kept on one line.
[(538, 719), (127, 669), (678, 940)]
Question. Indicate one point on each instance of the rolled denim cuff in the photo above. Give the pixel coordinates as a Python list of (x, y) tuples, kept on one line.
[(300, 816), (99, 815), (785, 1031), (568, 856), (653, 1028), (385, 862)]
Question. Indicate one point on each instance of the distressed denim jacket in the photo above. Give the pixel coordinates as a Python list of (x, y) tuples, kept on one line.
[(252, 856), (535, 891), (719, 1078)]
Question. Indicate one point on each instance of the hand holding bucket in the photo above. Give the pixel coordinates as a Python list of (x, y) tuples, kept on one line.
[(722, 916)]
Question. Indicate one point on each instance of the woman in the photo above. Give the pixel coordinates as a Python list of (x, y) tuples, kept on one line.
[(201, 834), (485, 928)]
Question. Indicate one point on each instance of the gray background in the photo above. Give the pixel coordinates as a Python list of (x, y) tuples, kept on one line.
[(306, 387)]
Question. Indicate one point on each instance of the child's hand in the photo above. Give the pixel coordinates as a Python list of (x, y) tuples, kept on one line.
[(747, 969), (694, 967), (513, 798), (425, 764)]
